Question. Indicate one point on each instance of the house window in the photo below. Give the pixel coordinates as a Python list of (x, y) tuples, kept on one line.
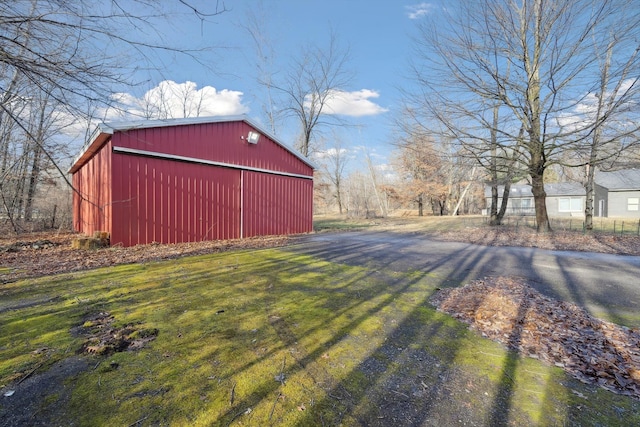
[(520, 206), (633, 203), (570, 204)]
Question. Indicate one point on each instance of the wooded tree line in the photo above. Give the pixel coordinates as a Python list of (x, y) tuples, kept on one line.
[(28, 155), (421, 178)]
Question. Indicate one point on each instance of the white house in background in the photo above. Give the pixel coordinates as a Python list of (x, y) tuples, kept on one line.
[(617, 195)]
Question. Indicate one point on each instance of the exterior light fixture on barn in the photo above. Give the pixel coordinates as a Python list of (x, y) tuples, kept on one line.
[(187, 180)]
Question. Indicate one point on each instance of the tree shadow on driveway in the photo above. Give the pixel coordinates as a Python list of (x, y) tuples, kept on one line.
[(399, 382)]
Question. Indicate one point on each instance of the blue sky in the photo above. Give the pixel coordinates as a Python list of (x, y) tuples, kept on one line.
[(377, 32)]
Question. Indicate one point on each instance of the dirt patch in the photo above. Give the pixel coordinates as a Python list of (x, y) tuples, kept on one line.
[(102, 338), (26, 303), (508, 311)]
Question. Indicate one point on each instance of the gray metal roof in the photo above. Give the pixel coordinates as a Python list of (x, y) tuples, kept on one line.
[(627, 179), (565, 189), (554, 189), (622, 180)]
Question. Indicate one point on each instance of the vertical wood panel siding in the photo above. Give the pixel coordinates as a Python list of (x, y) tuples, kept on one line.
[(276, 204), (172, 202), (92, 196)]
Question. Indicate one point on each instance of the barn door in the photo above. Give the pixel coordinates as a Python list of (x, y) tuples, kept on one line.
[(276, 204)]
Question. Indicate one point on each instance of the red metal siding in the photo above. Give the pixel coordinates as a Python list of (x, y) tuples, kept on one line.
[(220, 142), (92, 196), (274, 204), (142, 197), (166, 201)]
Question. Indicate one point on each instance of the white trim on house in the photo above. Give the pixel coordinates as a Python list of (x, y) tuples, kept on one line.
[(570, 204)]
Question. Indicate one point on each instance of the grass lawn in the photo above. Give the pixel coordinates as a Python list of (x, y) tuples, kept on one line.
[(270, 337)]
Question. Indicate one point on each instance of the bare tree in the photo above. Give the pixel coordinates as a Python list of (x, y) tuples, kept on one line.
[(265, 54), (305, 89), (609, 118), (152, 104), (190, 99), (323, 193), (53, 43), (528, 57), (359, 197), (334, 160), (376, 185), (312, 82), (464, 192)]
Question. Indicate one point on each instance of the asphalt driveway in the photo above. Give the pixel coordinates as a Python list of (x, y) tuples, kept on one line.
[(606, 285)]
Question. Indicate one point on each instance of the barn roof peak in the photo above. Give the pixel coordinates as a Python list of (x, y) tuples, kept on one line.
[(105, 129), (122, 125)]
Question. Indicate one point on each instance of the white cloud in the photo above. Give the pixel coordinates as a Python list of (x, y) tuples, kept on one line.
[(417, 11), (369, 151), (585, 111), (355, 104), (178, 100), (331, 152)]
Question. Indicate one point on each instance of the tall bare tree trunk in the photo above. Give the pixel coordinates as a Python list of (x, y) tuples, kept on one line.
[(36, 146), (540, 202), (536, 146), (589, 191), (464, 192), (493, 169), (505, 201), (493, 209), (374, 183), (34, 178)]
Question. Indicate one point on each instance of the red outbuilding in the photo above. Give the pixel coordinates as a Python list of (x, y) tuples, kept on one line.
[(187, 180)]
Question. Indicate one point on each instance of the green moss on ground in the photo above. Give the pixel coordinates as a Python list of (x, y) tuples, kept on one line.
[(275, 338)]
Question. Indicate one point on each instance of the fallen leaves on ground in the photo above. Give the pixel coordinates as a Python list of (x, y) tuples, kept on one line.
[(557, 240), (44, 254), (41, 254), (560, 333)]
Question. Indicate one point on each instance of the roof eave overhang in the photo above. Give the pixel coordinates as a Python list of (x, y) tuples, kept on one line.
[(292, 150), (99, 137)]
